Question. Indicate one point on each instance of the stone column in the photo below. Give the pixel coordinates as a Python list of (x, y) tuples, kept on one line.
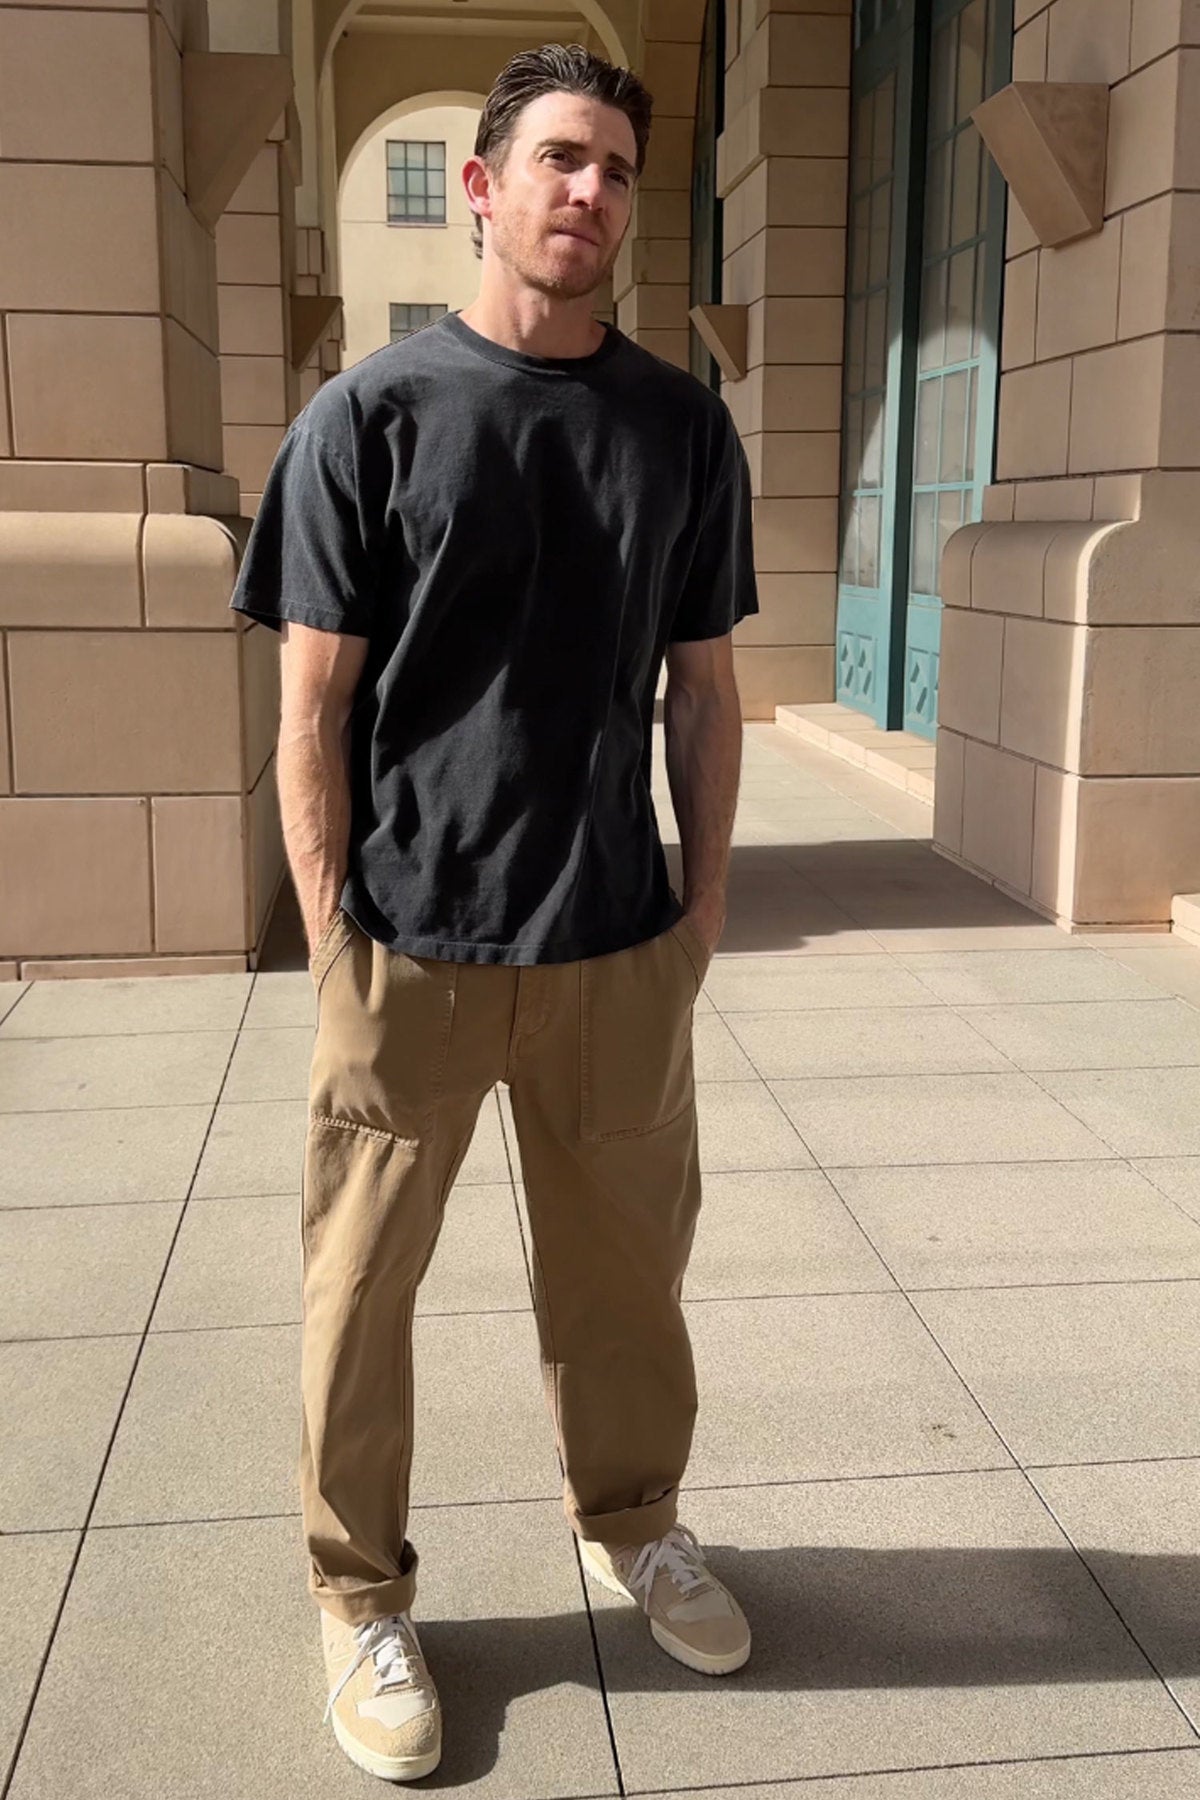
[(651, 276), (1068, 765), (782, 172), (135, 832)]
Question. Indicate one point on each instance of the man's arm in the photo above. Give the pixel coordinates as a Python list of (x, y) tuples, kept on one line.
[(319, 675), (703, 718)]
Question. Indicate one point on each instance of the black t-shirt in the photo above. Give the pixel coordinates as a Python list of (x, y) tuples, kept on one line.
[(518, 538)]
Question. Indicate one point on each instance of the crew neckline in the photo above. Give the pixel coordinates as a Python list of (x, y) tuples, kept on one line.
[(488, 348)]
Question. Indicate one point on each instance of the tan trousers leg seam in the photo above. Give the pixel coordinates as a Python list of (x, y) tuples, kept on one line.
[(371, 1131)]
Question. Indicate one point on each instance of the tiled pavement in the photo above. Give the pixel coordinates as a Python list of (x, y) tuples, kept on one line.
[(944, 1302)]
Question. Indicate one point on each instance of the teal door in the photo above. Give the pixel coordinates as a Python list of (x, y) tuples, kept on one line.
[(919, 416)]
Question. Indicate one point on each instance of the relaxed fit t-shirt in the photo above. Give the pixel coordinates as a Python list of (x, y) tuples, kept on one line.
[(518, 538)]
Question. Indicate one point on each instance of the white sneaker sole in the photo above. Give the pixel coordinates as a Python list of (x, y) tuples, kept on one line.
[(388, 1768), (683, 1653)]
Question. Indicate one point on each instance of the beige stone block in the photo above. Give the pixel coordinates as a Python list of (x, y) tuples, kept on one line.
[(258, 192), (671, 21), (1008, 569), (193, 399), (69, 569), (248, 249), (179, 488), (260, 699), (671, 72), (807, 50), (1068, 572), (1187, 143), (998, 814), (267, 859), (1089, 40), (1035, 416), (660, 260), (251, 321), (70, 486), (786, 676), (1145, 268), (78, 238), (795, 534), (1141, 702), (1141, 136), (1138, 846), (673, 346), (1117, 497), (1019, 233), (168, 100), (1030, 50), (1044, 501), (249, 452), (253, 390), (1159, 25), (969, 682), (1020, 311), (1179, 444), (189, 267), (190, 565), (666, 213), (1077, 294), (669, 155), (115, 968), (803, 260), (6, 448), (1042, 699), (957, 559), (1055, 815), (761, 8), (74, 877), (150, 712), (779, 121), (792, 609), (86, 385), (795, 331), (798, 397), (999, 504), (1116, 407), (310, 381), (199, 874), (650, 307), (948, 790), (794, 462), (75, 87)]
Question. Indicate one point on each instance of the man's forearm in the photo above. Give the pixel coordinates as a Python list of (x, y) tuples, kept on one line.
[(314, 804), (704, 757)]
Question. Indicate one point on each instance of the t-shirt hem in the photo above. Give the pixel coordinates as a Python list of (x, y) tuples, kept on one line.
[(299, 612), (553, 950)]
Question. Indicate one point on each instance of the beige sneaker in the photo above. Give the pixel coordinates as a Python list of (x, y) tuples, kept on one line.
[(692, 1615), (382, 1699)]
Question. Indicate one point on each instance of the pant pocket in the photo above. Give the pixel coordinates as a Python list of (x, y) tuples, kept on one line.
[(636, 1039), (383, 1039), (696, 951), (331, 940)]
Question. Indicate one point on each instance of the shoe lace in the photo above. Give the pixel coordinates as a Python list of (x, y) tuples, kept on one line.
[(391, 1642), (678, 1555)]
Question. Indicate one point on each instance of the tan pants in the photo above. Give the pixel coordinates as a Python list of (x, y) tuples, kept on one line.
[(598, 1055)]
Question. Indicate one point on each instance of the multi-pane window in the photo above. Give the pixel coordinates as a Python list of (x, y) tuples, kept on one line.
[(416, 181), (407, 317)]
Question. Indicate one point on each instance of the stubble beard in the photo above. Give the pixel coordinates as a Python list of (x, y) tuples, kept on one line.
[(531, 260)]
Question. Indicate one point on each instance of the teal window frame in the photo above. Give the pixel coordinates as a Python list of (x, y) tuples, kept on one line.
[(707, 236), (875, 673)]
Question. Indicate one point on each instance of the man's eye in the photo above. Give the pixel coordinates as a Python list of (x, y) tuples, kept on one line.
[(618, 176)]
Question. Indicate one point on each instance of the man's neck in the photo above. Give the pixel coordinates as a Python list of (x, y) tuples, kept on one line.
[(535, 323)]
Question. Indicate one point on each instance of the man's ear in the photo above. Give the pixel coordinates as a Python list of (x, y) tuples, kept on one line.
[(477, 181)]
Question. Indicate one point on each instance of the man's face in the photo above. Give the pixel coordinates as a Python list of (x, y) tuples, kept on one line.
[(560, 204)]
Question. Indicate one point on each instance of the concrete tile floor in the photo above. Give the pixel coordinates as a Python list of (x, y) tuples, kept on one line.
[(944, 1302)]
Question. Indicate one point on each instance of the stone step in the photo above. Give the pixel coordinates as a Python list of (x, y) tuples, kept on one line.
[(1185, 917), (898, 757)]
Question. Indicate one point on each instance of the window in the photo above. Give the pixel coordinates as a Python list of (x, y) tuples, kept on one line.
[(407, 318), (416, 179)]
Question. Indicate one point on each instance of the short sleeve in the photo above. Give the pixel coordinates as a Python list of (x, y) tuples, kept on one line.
[(720, 587), (307, 559)]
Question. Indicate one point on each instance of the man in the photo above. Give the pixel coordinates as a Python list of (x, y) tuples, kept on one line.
[(479, 545)]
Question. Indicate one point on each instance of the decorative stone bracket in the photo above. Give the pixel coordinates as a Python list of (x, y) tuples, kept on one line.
[(312, 315), (1050, 142), (724, 331), (231, 101)]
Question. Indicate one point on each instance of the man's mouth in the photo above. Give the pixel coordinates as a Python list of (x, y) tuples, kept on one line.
[(566, 231)]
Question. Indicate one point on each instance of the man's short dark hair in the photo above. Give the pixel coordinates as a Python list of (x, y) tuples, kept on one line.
[(556, 69)]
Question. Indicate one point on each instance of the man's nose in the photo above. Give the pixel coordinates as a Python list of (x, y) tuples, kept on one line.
[(587, 187)]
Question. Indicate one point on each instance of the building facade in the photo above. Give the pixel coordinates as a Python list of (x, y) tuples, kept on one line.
[(968, 386)]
